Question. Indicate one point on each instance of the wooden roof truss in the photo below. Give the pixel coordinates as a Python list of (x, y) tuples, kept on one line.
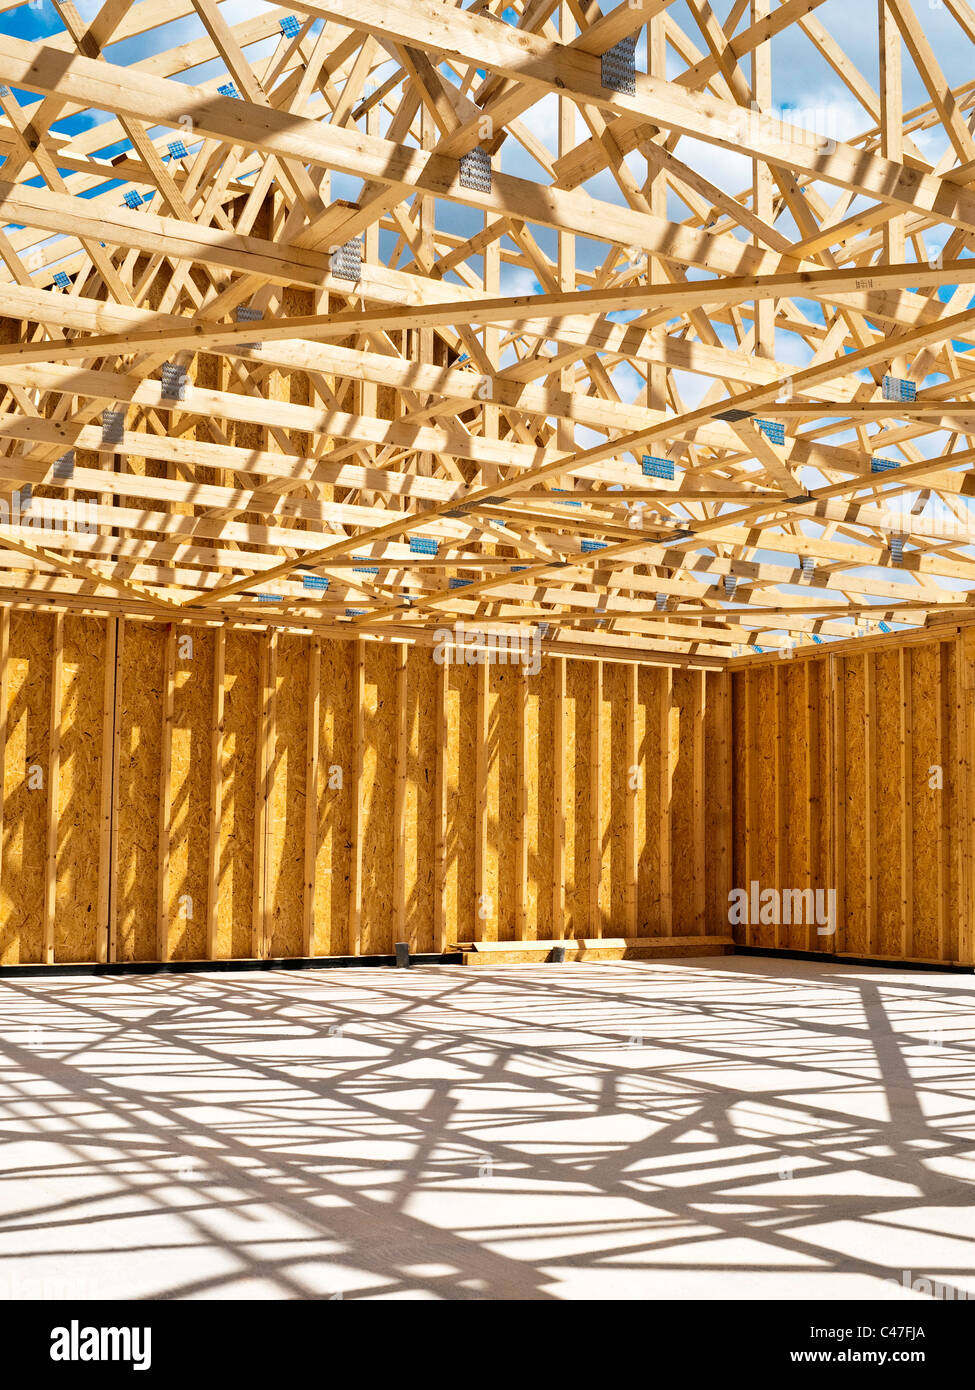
[(462, 327)]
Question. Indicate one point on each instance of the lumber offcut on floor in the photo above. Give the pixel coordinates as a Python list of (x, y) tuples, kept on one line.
[(717, 1128)]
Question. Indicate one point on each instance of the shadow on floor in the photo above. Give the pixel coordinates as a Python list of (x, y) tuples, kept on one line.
[(717, 1128)]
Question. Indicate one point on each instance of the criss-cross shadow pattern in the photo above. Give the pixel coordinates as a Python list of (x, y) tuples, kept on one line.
[(729, 1128)]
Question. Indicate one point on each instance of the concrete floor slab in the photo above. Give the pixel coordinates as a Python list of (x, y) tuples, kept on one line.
[(712, 1128)]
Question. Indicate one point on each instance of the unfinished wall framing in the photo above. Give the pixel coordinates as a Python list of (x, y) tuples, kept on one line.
[(852, 772), (192, 793), (156, 796)]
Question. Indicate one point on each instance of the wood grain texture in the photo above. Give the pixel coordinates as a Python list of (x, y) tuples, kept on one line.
[(845, 771), (874, 748)]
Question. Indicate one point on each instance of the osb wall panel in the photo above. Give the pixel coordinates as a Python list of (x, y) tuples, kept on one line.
[(717, 798), (25, 786), (378, 784), (495, 909), (238, 771), (284, 866), (956, 928), (651, 692), (890, 787), (928, 893), (461, 819), (852, 863), (223, 794), (579, 683), (688, 805), (420, 813), (79, 790), (333, 852), (852, 773), (504, 882), (614, 712), (141, 677), (540, 791), (186, 890)]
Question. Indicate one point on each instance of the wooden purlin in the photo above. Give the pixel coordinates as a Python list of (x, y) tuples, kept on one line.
[(407, 438)]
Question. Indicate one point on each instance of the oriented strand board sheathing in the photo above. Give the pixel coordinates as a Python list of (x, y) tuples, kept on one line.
[(79, 790), (141, 675), (794, 832), (611, 790), (189, 840), (741, 762), (485, 893), (889, 798), (642, 740), (378, 784), (744, 775), (766, 743), (682, 819), (504, 882), (613, 796), (577, 804), (874, 799), (927, 753), (286, 800), (461, 889), (821, 807), (650, 691), (236, 844), (540, 798), (852, 934), (335, 792), (789, 720), (419, 820), (898, 714), (25, 788), (953, 778), (717, 803)]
